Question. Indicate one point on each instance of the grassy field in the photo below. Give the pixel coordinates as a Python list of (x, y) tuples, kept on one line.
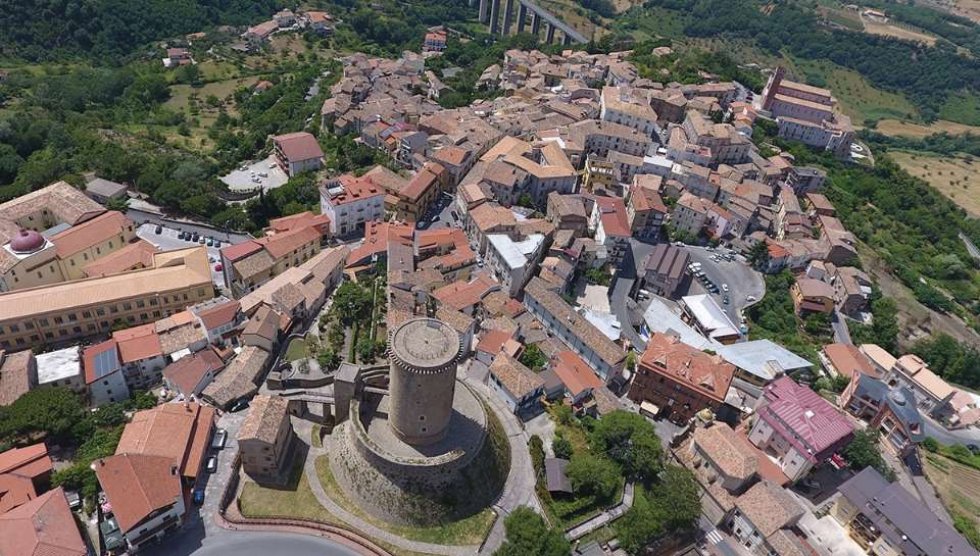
[(858, 98), (572, 14), (967, 8), (911, 129), (963, 108), (469, 531), (957, 485), (955, 177), (297, 349), (898, 32), (294, 500)]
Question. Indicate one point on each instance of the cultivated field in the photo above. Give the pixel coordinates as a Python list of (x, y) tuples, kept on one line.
[(908, 129), (957, 177), (897, 31), (858, 98), (958, 486)]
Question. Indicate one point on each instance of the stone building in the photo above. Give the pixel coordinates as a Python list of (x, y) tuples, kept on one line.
[(265, 439)]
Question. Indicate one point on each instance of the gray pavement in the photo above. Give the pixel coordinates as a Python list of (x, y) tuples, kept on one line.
[(167, 240), (143, 216), (969, 435), (839, 325), (249, 176), (743, 281), (246, 543)]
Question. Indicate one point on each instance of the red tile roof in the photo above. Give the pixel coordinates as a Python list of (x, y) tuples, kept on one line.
[(88, 234), (177, 431), (138, 254), (299, 146), (15, 375), (493, 341), (186, 373), (847, 359), (355, 189), (219, 314), (798, 413), (240, 250), (612, 212), (302, 220), (44, 526), (89, 355), (462, 294), (19, 467), (138, 343), (283, 243), (575, 373), (138, 485), (708, 374), (420, 183)]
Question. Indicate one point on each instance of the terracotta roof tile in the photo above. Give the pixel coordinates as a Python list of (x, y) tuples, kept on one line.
[(15, 375), (264, 418), (138, 485), (575, 373), (44, 526), (172, 430), (298, 146), (90, 233)]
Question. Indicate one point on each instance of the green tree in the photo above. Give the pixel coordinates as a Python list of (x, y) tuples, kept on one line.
[(676, 495), (562, 447), (930, 444), (536, 448), (759, 255), (863, 451), (593, 476), (529, 535), (639, 525), (631, 441), (631, 360), (56, 412), (353, 303), (533, 358)]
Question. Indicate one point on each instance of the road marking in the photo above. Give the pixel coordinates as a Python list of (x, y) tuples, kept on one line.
[(714, 537)]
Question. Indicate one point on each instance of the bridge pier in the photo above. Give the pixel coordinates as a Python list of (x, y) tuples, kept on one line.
[(508, 16), (484, 11), (551, 34), (521, 17), (566, 40), (535, 24), (494, 17)]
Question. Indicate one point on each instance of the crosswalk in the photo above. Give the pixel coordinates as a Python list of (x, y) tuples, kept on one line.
[(714, 536)]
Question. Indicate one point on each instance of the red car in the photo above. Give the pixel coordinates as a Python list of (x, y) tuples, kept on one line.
[(218, 267)]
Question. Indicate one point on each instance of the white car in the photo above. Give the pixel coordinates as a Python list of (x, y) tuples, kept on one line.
[(750, 298), (724, 288)]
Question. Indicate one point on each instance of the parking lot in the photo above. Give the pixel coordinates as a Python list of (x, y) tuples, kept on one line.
[(442, 213), (265, 174), (168, 240), (723, 268)]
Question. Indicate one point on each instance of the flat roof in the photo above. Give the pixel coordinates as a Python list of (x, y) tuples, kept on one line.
[(515, 253), (754, 357), (711, 316), (59, 365)]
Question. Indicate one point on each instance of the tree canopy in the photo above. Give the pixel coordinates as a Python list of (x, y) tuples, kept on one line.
[(529, 535), (631, 441)]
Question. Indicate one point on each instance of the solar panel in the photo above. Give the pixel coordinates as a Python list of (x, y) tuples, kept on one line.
[(106, 362)]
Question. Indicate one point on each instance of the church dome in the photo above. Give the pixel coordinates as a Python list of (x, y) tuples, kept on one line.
[(26, 241)]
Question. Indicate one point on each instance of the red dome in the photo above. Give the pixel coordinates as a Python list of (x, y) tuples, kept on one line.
[(27, 241)]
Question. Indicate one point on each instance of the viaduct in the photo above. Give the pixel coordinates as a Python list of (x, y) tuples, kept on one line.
[(504, 24)]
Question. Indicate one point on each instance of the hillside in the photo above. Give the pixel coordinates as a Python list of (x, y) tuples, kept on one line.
[(39, 30)]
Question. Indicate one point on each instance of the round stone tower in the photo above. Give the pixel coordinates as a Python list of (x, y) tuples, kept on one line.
[(423, 354)]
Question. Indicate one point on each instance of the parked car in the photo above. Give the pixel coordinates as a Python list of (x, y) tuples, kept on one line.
[(217, 243), (210, 242), (220, 437), (219, 267), (239, 405), (212, 464), (201, 240), (725, 300), (750, 298), (724, 288), (158, 230), (198, 496)]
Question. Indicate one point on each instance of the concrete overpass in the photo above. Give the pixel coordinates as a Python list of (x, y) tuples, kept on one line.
[(503, 24)]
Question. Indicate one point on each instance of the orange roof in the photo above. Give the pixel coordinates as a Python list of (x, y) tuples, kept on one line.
[(87, 234), (283, 243), (178, 431), (137, 486), (690, 367), (848, 359), (420, 183), (19, 467), (376, 238), (298, 146), (240, 250), (575, 373), (493, 341), (612, 212), (304, 219), (42, 527), (138, 343), (138, 254), (219, 314), (461, 294), (355, 189), (452, 154), (186, 373), (89, 355)]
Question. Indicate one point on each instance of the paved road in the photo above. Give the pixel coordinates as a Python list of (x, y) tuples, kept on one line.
[(841, 334), (962, 436), (245, 543), (742, 280), (140, 216)]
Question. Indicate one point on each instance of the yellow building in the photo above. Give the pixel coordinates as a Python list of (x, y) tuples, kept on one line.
[(76, 309)]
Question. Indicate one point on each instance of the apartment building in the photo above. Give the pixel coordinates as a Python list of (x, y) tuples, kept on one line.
[(420, 192), (690, 214), (812, 296), (68, 311), (42, 526), (913, 373), (763, 517), (297, 152), (265, 439), (727, 145), (567, 212), (645, 209), (53, 234), (252, 263), (349, 202), (513, 261), (806, 113), (892, 411), (610, 221), (146, 496), (519, 387), (619, 105), (797, 427), (516, 167), (581, 336), (665, 270), (884, 518), (680, 380)]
